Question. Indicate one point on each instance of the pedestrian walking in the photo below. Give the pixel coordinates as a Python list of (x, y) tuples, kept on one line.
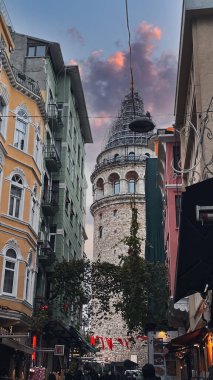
[(148, 371)]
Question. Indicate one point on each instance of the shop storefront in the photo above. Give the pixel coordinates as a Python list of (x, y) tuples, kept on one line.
[(194, 353)]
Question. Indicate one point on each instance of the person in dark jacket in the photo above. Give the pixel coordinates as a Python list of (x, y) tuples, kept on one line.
[(148, 371)]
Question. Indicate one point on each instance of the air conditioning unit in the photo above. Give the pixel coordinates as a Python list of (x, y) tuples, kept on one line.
[(204, 214)]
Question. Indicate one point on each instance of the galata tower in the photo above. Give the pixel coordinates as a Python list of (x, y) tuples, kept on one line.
[(118, 176)]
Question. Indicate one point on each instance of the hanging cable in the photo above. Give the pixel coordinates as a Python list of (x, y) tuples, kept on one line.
[(130, 57)]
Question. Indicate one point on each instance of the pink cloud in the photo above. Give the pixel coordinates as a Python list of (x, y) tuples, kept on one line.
[(117, 60), (100, 120), (149, 31), (96, 54), (72, 62)]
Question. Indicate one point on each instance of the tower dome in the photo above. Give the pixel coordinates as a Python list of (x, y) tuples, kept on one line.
[(132, 107)]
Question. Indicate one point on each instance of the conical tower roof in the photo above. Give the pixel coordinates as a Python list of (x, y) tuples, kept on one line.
[(120, 134)]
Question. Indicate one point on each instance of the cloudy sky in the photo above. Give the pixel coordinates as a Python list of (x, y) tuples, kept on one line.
[(94, 35)]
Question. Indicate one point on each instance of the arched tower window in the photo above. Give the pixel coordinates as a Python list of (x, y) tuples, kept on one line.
[(100, 184), (10, 271), (16, 196), (131, 186), (116, 187), (114, 179), (99, 188), (20, 137), (132, 178)]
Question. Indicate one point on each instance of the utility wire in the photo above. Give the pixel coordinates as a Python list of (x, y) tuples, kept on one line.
[(130, 56)]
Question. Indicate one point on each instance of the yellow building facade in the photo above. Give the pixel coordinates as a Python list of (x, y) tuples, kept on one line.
[(22, 124)]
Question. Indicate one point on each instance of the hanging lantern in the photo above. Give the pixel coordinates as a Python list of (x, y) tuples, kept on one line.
[(143, 124)]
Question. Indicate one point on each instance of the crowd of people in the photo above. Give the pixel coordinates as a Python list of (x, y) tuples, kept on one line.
[(89, 373)]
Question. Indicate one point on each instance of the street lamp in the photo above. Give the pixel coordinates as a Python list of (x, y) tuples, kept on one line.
[(143, 124)]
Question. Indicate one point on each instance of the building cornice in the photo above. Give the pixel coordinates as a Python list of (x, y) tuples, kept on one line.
[(118, 199)]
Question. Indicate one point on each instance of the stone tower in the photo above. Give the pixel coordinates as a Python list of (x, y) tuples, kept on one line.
[(117, 178)]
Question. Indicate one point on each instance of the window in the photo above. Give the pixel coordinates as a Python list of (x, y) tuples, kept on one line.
[(36, 51), (71, 211), (177, 209), (68, 159), (116, 187), (67, 200), (116, 157), (38, 149), (70, 250), (77, 187), (29, 285), (16, 196), (2, 114), (21, 129), (53, 229), (79, 154), (74, 139), (114, 212), (100, 232), (4, 100), (131, 186), (9, 271), (176, 157), (82, 166), (131, 156)]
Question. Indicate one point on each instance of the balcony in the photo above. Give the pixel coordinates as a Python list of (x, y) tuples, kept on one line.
[(50, 202), (52, 159), (46, 254), (26, 81), (119, 160), (55, 115), (40, 301)]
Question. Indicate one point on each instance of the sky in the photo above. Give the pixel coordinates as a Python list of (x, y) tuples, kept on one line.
[(93, 34)]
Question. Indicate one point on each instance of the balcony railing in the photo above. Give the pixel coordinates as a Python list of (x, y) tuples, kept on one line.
[(26, 81), (50, 202), (120, 159), (52, 159), (46, 253), (55, 114)]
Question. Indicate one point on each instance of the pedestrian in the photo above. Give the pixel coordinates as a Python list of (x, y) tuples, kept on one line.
[(148, 371), (51, 376)]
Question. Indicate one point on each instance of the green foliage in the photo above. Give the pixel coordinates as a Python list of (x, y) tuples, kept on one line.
[(71, 284), (135, 287), (39, 320), (138, 289)]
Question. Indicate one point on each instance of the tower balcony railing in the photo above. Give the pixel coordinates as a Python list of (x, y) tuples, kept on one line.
[(120, 160)]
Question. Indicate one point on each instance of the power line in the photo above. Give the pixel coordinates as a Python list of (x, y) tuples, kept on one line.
[(119, 117)]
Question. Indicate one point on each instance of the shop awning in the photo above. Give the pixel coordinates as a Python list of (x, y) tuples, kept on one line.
[(189, 339), (68, 336), (194, 267), (81, 339), (16, 345)]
